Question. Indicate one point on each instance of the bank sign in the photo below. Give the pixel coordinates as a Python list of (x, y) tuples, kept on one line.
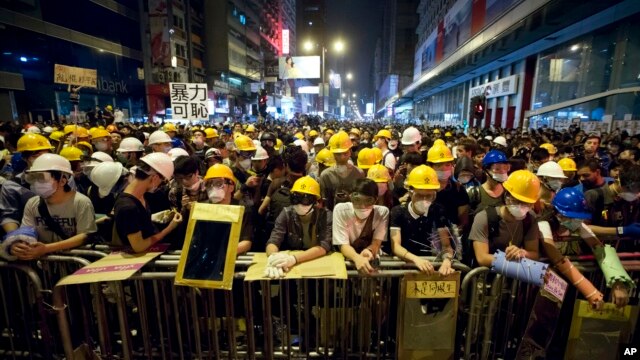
[(497, 88)]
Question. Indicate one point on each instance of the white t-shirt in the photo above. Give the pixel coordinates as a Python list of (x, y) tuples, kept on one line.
[(346, 229), (75, 216), (389, 161)]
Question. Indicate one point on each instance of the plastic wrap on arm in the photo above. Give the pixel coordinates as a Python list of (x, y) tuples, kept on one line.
[(611, 266), (525, 270)]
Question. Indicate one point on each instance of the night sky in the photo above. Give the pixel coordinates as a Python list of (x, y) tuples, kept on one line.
[(358, 23)]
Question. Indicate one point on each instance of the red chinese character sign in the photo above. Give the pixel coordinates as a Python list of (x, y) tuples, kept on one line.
[(189, 101)]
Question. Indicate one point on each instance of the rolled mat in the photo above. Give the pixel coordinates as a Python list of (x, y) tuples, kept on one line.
[(525, 270), (26, 234), (611, 266)]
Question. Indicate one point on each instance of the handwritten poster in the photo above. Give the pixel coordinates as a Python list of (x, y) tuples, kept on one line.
[(555, 285), (189, 101), (431, 289), (63, 74)]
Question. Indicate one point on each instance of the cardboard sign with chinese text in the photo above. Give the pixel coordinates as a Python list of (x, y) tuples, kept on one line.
[(189, 101)]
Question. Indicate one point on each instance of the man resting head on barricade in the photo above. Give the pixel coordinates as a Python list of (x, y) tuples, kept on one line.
[(58, 218), (300, 226)]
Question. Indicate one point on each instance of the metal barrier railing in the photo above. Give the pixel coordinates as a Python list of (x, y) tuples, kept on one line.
[(147, 316)]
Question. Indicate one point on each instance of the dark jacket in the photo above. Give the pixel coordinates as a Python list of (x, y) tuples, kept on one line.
[(287, 232)]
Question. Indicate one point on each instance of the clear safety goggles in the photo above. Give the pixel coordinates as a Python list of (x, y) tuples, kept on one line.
[(246, 154), (34, 177), (216, 183)]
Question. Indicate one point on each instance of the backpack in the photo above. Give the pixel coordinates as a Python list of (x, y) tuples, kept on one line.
[(493, 221), (279, 200)]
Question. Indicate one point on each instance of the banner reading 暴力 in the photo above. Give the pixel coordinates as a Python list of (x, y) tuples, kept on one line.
[(189, 101)]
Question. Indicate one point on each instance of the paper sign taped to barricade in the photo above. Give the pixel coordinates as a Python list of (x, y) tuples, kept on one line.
[(431, 289), (327, 267), (555, 285), (114, 267), (70, 75), (608, 312)]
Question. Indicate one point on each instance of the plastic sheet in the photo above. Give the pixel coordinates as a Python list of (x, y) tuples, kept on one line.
[(26, 234)]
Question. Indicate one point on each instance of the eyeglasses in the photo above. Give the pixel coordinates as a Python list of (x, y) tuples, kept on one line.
[(34, 177), (301, 198), (430, 197), (513, 201), (216, 183), (360, 201), (246, 154)]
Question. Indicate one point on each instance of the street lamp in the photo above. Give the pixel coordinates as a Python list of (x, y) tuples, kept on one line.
[(349, 76), (339, 47), (353, 95)]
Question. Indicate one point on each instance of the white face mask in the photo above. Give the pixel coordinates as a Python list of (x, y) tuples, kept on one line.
[(245, 164), (102, 146), (302, 210), (422, 207), (43, 189), (628, 196), (342, 169), (464, 179), (499, 177), (393, 144), (382, 188), (518, 211), (362, 213), (554, 184), (443, 175), (166, 149), (215, 195), (198, 142)]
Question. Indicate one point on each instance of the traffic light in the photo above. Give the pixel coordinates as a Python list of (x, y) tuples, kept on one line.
[(262, 103)]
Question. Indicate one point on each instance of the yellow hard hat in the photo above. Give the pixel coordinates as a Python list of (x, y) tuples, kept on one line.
[(299, 136), (340, 143), (109, 107), (98, 133), (329, 131), (379, 173), (211, 133), (448, 133), (366, 158), (169, 127), (56, 135), (439, 142), (85, 145), (378, 153), (33, 142), (278, 145), (101, 127), (436, 131), (313, 133), (112, 128), (68, 129), (355, 131), (220, 171), (71, 153), (568, 164), (523, 185), (244, 143), (550, 148), (423, 177), (307, 185), (250, 128), (325, 157), (236, 134), (383, 133), (81, 132), (438, 154)]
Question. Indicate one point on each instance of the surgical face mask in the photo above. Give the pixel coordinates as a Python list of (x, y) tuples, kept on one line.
[(195, 186), (166, 149), (628, 196), (443, 174), (464, 179), (43, 189), (245, 164), (422, 206), (342, 169), (518, 211), (216, 195), (102, 146), (198, 142), (382, 188), (554, 184), (302, 210), (363, 213), (499, 177), (393, 144), (571, 224)]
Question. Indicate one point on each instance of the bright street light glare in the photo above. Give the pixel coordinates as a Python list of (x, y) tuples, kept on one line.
[(339, 46), (349, 76), (308, 45), (354, 95)]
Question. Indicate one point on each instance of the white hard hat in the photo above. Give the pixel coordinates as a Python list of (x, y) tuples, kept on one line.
[(33, 130), (551, 169), (261, 154), (51, 162), (303, 144), (489, 137), (99, 157), (158, 137), (106, 175), (48, 129), (411, 136), (177, 152), (159, 162), (130, 144), (256, 143), (318, 141), (500, 140), (146, 135)]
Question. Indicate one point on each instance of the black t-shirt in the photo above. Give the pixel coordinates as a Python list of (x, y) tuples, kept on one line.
[(131, 216), (416, 234), (450, 198)]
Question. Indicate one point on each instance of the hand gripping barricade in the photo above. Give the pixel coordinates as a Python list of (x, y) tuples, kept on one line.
[(25, 234)]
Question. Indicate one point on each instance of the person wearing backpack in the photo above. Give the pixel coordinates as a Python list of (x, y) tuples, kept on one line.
[(62, 217), (511, 227)]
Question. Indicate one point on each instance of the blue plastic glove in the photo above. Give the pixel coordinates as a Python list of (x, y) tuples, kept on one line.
[(629, 230)]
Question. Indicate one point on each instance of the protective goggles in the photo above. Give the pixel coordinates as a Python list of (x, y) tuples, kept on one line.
[(34, 177), (301, 198), (360, 201), (216, 183), (246, 154)]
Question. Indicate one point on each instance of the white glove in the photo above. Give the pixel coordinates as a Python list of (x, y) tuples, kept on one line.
[(276, 258), (285, 262), (273, 272)]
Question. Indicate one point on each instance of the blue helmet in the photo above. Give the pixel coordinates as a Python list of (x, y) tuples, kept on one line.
[(571, 203), (494, 157)]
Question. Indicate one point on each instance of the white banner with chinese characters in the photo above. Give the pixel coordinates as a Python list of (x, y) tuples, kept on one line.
[(502, 87), (189, 101)]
